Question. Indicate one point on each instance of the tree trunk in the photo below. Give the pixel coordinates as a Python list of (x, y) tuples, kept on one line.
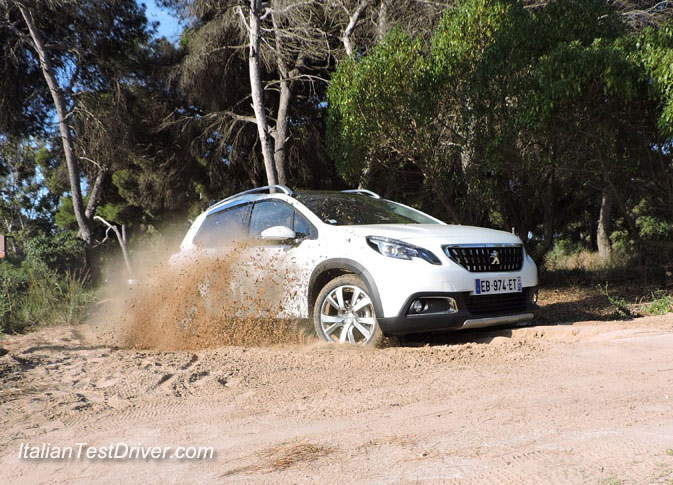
[(382, 28), (383, 23), (281, 132), (550, 217), (443, 199), (548, 242), (664, 169), (603, 230), (95, 194), (84, 224), (257, 93)]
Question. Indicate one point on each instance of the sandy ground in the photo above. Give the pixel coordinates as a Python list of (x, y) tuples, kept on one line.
[(588, 402)]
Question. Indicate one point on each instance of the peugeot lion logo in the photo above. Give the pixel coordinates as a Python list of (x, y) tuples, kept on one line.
[(495, 257)]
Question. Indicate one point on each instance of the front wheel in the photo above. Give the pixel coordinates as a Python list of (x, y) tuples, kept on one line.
[(344, 313)]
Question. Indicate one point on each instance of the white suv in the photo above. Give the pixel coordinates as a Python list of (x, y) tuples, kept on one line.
[(364, 266)]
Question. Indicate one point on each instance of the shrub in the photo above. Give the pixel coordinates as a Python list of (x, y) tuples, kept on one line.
[(33, 295), (568, 257), (61, 252), (661, 304)]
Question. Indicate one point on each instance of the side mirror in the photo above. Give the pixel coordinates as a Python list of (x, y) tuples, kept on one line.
[(278, 233)]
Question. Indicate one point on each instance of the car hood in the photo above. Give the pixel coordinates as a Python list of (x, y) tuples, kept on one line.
[(436, 233)]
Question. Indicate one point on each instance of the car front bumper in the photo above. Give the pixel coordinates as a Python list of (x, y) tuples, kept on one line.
[(470, 312)]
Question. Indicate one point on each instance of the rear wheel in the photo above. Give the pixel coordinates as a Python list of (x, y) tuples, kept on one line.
[(344, 313)]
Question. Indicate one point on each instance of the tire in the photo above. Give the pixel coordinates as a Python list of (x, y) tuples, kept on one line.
[(344, 313)]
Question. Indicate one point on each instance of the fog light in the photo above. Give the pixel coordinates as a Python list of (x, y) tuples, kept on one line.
[(453, 305), (417, 306), (433, 305)]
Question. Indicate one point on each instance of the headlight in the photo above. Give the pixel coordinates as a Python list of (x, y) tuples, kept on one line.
[(400, 250)]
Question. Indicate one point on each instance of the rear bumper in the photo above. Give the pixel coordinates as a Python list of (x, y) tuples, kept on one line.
[(472, 312)]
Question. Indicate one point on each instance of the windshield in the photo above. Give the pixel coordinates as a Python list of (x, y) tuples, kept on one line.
[(338, 208)]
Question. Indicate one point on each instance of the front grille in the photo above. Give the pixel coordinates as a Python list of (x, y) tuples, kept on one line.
[(484, 259), (496, 304)]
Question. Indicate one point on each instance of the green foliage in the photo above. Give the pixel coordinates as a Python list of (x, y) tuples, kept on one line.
[(585, 21), (62, 252), (65, 214), (90, 43), (653, 228), (620, 305), (513, 116), (661, 304), (473, 31), (370, 101), (564, 248), (653, 223), (570, 70), (655, 51), (47, 286), (32, 295), (25, 206)]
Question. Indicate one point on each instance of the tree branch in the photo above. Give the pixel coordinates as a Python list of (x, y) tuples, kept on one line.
[(122, 242), (96, 193), (353, 21), (295, 78), (233, 115)]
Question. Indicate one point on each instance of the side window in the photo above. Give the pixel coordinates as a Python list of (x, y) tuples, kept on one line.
[(224, 227), (303, 227), (270, 213)]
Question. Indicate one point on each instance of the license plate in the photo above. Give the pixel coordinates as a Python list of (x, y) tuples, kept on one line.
[(492, 286)]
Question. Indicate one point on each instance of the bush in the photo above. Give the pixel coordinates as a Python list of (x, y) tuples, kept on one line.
[(32, 295), (47, 287), (568, 256), (661, 303), (568, 263), (61, 252)]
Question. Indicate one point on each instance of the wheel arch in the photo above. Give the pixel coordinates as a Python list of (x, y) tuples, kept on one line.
[(327, 270)]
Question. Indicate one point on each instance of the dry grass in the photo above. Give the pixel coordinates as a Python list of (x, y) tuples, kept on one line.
[(588, 261), (402, 441), (583, 286), (285, 455), (282, 456)]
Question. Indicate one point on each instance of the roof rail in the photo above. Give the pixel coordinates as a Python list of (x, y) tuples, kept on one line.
[(270, 188), (362, 192), (284, 189)]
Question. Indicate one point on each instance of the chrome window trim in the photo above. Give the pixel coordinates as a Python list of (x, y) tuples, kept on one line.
[(493, 245)]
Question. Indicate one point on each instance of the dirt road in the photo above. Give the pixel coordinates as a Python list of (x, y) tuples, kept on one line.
[(590, 402)]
